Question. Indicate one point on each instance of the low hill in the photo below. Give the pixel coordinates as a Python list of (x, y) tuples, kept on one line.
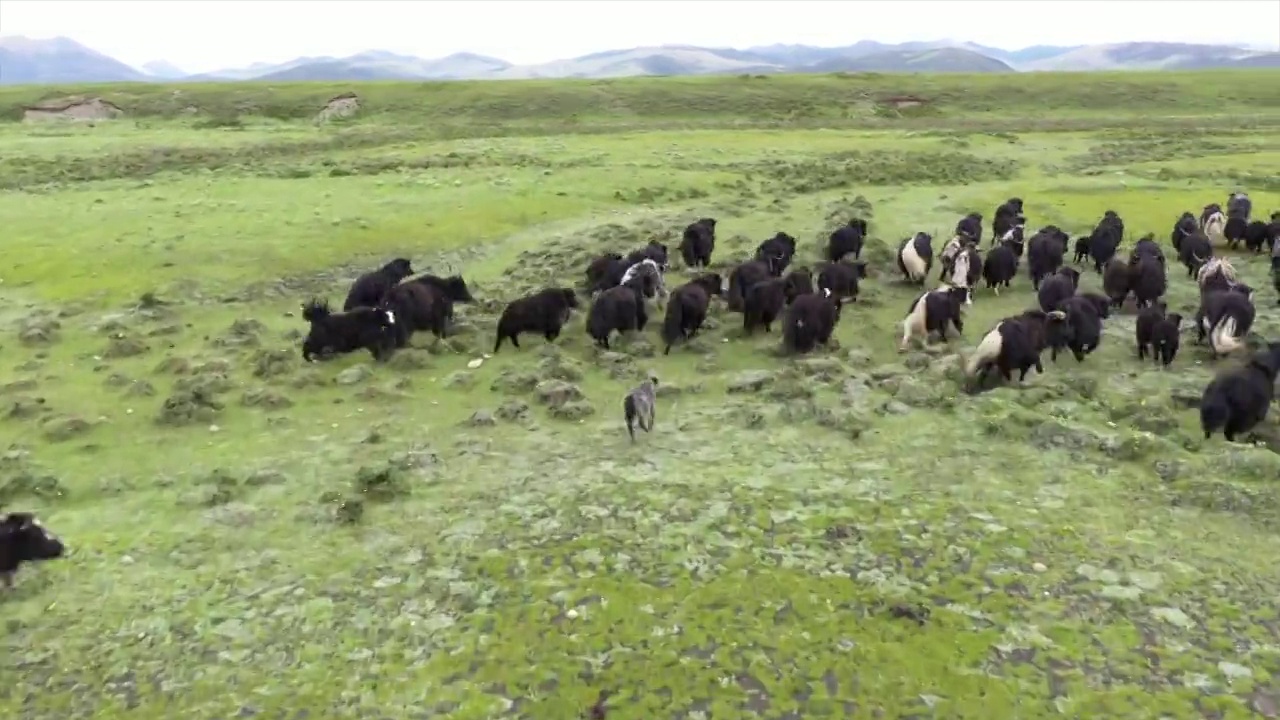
[(942, 60)]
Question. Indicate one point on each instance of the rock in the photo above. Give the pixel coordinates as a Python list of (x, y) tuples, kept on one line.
[(675, 389), (354, 374), (560, 368), (513, 410), (1039, 567), (272, 363), (123, 346), (407, 359), (482, 418), (460, 379), (556, 393), (750, 381), (572, 410), (512, 382), (475, 363)]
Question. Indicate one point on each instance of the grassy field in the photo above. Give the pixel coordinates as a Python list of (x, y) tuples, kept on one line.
[(258, 538)]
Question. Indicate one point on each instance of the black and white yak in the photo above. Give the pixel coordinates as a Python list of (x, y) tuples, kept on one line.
[(915, 257), (1015, 343), (932, 312)]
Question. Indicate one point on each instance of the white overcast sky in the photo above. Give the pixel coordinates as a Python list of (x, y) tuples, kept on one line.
[(199, 36)]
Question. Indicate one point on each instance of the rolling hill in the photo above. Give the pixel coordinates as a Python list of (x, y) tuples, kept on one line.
[(62, 60)]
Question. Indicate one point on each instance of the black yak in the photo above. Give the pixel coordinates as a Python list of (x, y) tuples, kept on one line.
[(1105, 240), (744, 276), (841, 279), (602, 268), (1185, 226), (796, 283), (687, 309), (1083, 326), (970, 226), (1148, 281), (1058, 287), (847, 240), (1115, 281), (1235, 231), (1238, 399), (1195, 251), (449, 290), (698, 242), (1259, 234), (763, 304), (417, 307), (933, 312), (810, 321), (361, 328), (370, 288), (1000, 266), (654, 251), (1158, 332), (777, 251), (24, 539), (545, 312), (1045, 252), (620, 308)]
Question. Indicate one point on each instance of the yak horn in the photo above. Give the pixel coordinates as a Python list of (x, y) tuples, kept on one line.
[(1057, 315)]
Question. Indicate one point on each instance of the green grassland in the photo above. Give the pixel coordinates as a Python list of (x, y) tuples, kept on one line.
[(256, 537)]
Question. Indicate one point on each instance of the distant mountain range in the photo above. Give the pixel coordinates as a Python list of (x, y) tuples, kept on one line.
[(62, 60)]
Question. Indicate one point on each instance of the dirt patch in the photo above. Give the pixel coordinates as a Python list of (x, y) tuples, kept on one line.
[(339, 107), (72, 108)]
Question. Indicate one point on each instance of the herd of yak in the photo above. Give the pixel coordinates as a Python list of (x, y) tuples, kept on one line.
[(384, 307)]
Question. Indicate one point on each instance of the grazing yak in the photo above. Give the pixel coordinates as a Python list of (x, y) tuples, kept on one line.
[(1238, 399), (698, 242), (763, 304), (24, 539), (1158, 332), (1225, 316), (370, 288), (840, 279), (361, 328), (1045, 252), (1115, 281), (931, 312), (1186, 225), (545, 312), (915, 257), (687, 309), (777, 250), (1105, 239), (1015, 343), (1058, 287), (966, 268), (1082, 331), (448, 290), (810, 321), (1148, 280), (1215, 226), (620, 308), (847, 240), (743, 277), (1196, 250), (797, 282), (1000, 266), (970, 226)]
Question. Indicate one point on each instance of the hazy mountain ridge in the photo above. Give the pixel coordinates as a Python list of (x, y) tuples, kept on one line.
[(62, 60)]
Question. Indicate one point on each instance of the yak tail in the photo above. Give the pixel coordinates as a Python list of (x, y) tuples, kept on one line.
[(315, 310), (986, 351), (1214, 413), (672, 324), (1223, 338), (629, 414)]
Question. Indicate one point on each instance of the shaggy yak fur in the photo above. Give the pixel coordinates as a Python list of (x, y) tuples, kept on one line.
[(970, 226), (1182, 228), (743, 277), (417, 307), (1238, 399), (1015, 343), (362, 328), (847, 240), (370, 288), (620, 308), (1157, 333), (810, 321), (1000, 266), (778, 251), (687, 309), (1058, 287), (841, 279), (1045, 252), (544, 312), (763, 304), (698, 242)]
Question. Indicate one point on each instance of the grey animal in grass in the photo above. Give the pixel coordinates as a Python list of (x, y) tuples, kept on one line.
[(640, 406)]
